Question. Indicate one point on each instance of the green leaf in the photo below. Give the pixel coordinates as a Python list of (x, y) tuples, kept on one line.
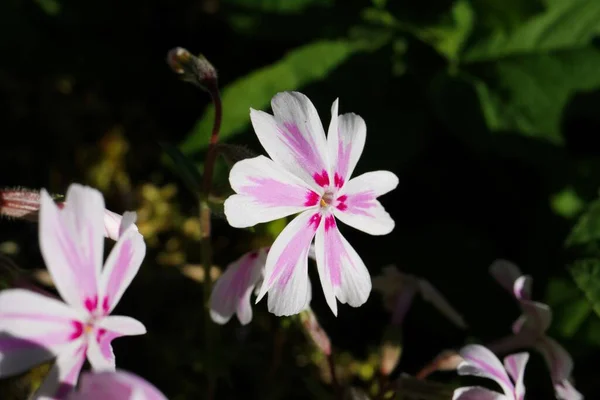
[(279, 6), (184, 167), (300, 67), (565, 25), (526, 73), (50, 7), (587, 229), (586, 274), (527, 93)]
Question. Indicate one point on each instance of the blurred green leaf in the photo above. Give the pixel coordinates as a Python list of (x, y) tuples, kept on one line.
[(505, 14), (586, 274), (184, 167), (565, 25), (50, 7), (527, 93), (300, 67), (279, 6), (587, 229), (570, 310)]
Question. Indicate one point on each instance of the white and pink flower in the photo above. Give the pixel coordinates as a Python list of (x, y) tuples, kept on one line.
[(36, 328), (479, 361), (529, 330), (310, 174)]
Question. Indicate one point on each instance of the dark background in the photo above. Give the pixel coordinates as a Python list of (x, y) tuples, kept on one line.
[(487, 110)]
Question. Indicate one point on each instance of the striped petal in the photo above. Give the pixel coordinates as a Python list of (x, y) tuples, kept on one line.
[(341, 270), (479, 361), (34, 328), (294, 137), (122, 265), (286, 270), (345, 141), (63, 376), (118, 385), (357, 205), (72, 244), (515, 366), (265, 192)]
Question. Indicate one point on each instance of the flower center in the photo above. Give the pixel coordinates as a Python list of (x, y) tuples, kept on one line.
[(326, 200)]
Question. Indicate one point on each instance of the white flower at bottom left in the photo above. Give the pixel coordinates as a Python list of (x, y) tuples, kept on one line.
[(35, 328)]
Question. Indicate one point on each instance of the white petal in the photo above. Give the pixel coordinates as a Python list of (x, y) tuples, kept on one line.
[(122, 325), (122, 265), (341, 270), (479, 361), (432, 295), (356, 204), (72, 243), (33, 329), (507, 273), (101, 357), (515, 366), (294, 137), (286, 270), (346, 141), (566, 391), (537, 317), (265, 192), (63, 376), (477, 393), (557, 359), (232, 290)]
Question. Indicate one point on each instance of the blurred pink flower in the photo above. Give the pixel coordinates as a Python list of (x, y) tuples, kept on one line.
[(479, 361), (36, 328), (398, 290), (309, 174), (119, 385), (529, 330), (232, 291)]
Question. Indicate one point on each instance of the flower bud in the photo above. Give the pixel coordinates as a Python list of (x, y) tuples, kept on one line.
[(196, 70), (313, 329), (390, 350), (20, 203)]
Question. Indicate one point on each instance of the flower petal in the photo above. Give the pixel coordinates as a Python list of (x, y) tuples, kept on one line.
[(346, 141), (432, 295), (507, 273), (99, 352), (515, 366), (538, 317), (118, 385), (286, 270), (479, 361), (115, 224), (477, 393), (341, 270), (357, 206), (566, 391), (404, 300), (122, 265), (294, 138), (265, 192), (33, 329), (232, 290), (63, 376), (559, 361), (72, 244)]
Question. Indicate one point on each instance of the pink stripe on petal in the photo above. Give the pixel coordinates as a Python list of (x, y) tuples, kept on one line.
[(122, 265), (302, 147), (273, 193), (286, 270)]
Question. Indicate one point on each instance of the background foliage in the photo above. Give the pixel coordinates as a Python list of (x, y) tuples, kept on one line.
[(487, 110)]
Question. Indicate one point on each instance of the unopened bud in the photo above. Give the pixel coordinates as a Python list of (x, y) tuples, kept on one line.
[(313, 329), (197, 70), (447, 360), (19, 203)]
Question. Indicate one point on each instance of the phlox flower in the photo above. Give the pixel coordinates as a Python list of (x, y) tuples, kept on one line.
[(36, 328), (309, 174), (398, 290), (529, 330), (119, 385), (479, 361), (232, 291)]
